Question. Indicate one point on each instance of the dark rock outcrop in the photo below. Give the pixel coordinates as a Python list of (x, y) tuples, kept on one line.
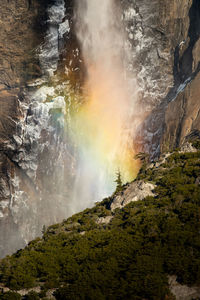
[(182, 116)]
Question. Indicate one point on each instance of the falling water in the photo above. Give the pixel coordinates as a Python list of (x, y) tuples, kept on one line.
[(101, 125)]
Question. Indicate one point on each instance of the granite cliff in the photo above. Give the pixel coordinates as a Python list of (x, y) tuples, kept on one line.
[(168, 60), (22, 30)]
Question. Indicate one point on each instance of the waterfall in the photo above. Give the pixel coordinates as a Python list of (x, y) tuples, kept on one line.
[(101, 125)]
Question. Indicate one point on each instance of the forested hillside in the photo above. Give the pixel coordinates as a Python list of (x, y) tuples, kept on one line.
[(128, 253)]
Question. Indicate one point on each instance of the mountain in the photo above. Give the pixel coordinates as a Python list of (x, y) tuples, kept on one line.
[(140, 243), (42, 65)]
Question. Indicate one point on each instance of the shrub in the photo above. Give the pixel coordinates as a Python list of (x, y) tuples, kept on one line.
[(10, 296)]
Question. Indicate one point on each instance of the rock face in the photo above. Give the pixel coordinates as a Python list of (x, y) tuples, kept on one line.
[(137, 190), (183, 292), (167, 63), (22, 29), (35, 159), (159, 33), (182, 116), (182, 113), (20, 34)]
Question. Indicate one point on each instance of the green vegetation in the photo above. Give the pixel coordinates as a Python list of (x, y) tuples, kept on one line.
[(118, 181), (196, 144), (129, 258), (32, 296), (10, 296)]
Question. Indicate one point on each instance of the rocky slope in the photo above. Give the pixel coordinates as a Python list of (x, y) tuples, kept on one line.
[(40, 57)]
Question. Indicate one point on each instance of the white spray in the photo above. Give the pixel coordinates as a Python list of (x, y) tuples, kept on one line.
[(105, 144)]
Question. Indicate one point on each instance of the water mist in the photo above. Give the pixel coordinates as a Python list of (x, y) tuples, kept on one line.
[(100, 127)]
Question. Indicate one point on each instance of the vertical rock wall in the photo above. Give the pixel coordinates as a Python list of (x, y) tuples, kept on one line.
[(22, 29), (165, 36), (181, 120)]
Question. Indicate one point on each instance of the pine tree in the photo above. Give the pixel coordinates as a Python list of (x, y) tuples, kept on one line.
[(119, 182)]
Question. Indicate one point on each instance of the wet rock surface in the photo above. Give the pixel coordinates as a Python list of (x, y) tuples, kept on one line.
[(34, 154), (22, 28)]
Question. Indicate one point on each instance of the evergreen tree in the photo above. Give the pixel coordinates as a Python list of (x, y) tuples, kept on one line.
[(119, 182)]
